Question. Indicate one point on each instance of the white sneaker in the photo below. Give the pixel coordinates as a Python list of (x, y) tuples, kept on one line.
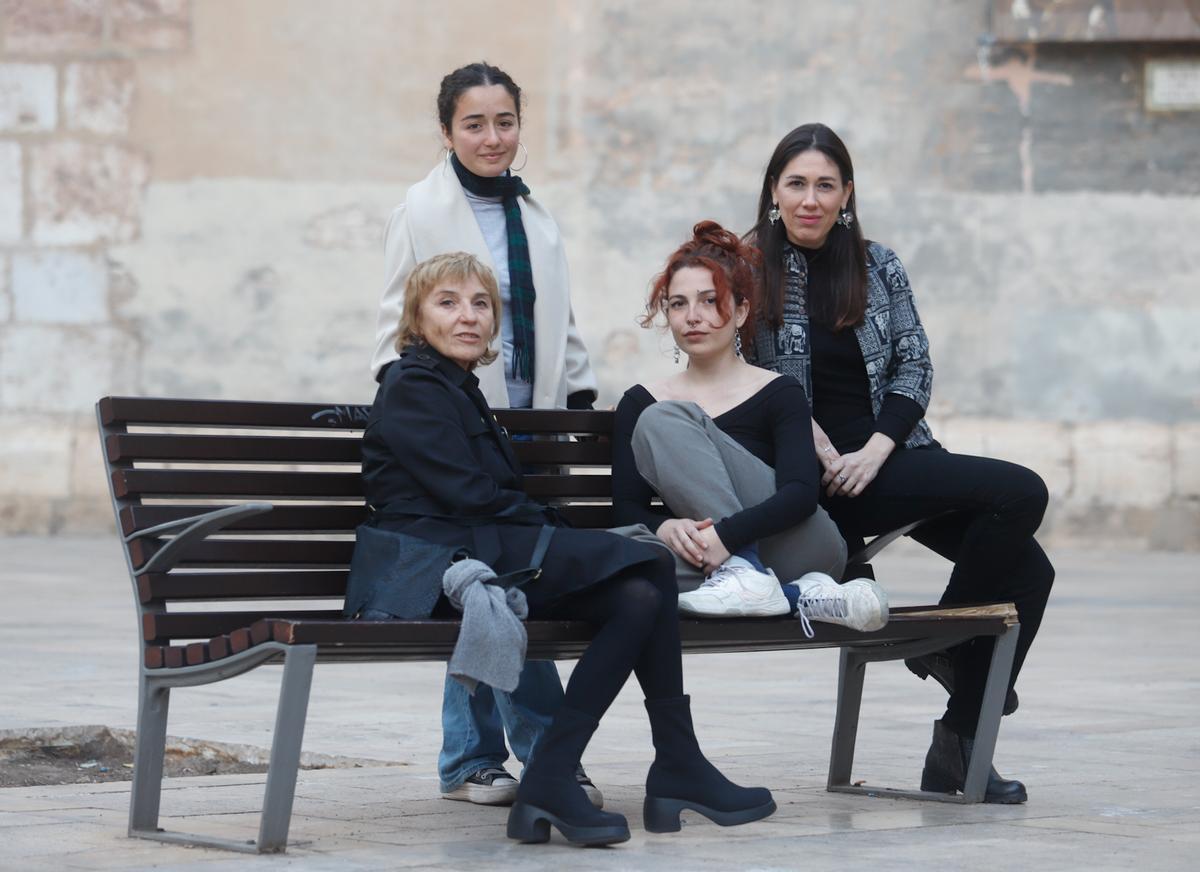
[(736, 590), (860, 604)]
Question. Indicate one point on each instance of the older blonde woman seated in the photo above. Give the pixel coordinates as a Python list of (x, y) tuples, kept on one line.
[(437, 466)]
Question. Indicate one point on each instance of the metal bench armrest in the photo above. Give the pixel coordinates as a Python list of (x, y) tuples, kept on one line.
[(865, 554), (193, 529)]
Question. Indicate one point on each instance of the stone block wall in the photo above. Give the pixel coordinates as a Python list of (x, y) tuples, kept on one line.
[(72, 184), (192, 197)]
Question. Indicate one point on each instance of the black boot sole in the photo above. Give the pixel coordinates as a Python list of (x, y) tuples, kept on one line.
[(920, 667), (937, 782), (531, 825), (661, 815)]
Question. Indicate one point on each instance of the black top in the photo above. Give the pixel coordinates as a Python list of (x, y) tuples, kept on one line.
[(437, 466), (841, 392), (773, 425)]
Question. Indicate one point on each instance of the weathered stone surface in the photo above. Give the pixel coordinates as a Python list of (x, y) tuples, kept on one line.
[(1122, 464), (63, 369), (1186, 438), (60, 287), (161, 25), (12, 197), (86, 192), (28, 98), (352, 226), (35, 456), (98, 97), (87, 480), (250, 312), (5, 292), (53, 26)]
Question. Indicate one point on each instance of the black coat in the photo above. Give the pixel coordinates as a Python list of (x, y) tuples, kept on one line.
[(437, 465)]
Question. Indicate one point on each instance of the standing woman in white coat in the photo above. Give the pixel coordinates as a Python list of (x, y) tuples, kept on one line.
[(472, 202)]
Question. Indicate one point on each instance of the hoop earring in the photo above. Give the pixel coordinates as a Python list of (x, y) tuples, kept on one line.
[(521, 146), (845, 218), (676, 354), (737, 345), (773, 213)]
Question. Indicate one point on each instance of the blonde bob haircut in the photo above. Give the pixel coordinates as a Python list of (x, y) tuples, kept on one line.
[(438, 271)]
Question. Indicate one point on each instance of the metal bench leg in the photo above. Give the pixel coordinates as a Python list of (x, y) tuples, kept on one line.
[(851, 672), (146, 791), (285, 748), (990, 712)]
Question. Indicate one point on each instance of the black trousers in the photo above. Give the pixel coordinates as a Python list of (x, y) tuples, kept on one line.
[(994, 509)]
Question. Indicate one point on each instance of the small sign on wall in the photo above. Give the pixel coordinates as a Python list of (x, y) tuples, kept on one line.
[(1173, 85)]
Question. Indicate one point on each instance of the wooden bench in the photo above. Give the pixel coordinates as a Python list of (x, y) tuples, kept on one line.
[(220, 504)]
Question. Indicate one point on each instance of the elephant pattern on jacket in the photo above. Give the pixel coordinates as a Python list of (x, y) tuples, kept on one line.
[(894, 347)]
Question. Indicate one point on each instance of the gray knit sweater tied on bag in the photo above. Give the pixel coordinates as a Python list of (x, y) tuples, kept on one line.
[(491, 643)]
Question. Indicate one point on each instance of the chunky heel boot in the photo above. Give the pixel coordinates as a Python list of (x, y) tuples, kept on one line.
[(550, 792), (681, 778), (946, 769)]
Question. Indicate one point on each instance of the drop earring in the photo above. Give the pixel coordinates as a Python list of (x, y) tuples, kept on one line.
[(845, 218), (773, 213), (737, 344), (677, 354)]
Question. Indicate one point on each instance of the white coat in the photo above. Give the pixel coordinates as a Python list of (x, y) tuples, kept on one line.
[(436, 218)]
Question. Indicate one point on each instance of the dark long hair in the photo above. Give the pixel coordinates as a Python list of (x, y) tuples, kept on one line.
[(845, 247), (470, 76)]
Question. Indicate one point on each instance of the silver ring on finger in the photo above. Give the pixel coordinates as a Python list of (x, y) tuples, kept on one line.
[(842, 479)]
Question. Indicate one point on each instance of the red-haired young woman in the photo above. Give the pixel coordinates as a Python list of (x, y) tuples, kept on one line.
[(728, 449)]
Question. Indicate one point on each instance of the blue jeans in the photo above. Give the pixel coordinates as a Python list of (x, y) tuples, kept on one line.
[(473, 727)]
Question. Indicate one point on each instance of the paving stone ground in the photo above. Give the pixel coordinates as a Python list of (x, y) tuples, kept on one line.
[(1106, 739)]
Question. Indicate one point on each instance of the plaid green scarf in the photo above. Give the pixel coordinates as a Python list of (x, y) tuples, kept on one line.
[(520, 268)]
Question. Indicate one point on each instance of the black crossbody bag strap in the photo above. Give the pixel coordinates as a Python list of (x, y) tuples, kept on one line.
[(522, 577)]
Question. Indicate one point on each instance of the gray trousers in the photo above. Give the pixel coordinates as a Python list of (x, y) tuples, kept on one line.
[(701, 472)]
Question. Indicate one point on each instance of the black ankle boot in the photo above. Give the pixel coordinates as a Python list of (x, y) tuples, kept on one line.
[(940, 665), (550, 793), (946, 769), (681, 777)]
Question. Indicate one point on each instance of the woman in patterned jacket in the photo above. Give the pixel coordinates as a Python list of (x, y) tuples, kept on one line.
[(837, 314)]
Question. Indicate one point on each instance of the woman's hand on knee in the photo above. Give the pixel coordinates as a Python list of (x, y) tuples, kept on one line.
[(715, 552), (852, 473), (686, 538)]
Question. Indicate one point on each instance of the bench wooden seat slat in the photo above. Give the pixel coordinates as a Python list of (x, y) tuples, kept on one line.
[(246, 585), (159, 627)]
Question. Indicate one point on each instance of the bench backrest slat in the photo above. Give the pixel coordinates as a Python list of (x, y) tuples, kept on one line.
[(241, 585)]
